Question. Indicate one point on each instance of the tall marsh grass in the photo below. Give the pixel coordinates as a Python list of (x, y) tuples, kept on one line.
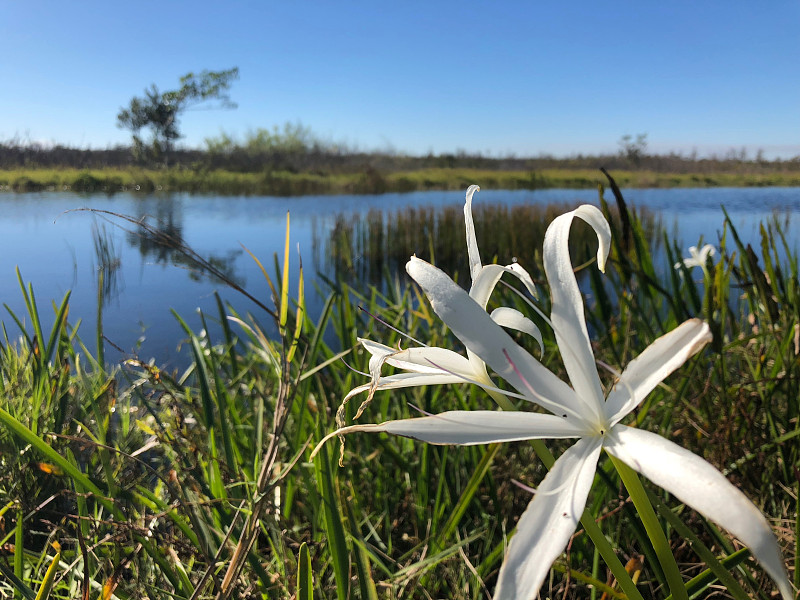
[(381, 242), (198, 484)]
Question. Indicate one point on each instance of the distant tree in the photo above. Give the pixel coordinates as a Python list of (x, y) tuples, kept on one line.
[(159, 111), (633, 149)]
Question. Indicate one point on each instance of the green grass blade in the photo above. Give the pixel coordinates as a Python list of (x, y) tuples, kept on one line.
[(33, 311), (50, 575), (263, 272), (654, 530), (284, 311), (230, 340), (305, 580), (61, 317), (337, 544), (19, 585), (100, 301), (300, 316)]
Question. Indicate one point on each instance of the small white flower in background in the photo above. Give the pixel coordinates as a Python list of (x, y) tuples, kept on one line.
[(582, 411), (427, 365), (697, 258)]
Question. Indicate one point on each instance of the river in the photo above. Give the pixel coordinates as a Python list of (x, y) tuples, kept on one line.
[(55, 247)]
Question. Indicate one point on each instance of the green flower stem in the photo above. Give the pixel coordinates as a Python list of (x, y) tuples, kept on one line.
[(654, 531), (502, 400), (596, 534)]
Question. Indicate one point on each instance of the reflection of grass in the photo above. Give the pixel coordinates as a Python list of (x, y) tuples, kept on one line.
[(160, 484), (370, 181), (107, 261)]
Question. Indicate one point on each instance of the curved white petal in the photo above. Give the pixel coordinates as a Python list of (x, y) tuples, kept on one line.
[(654, 364), (705, 252), (380, 353), (424, 359), (376, 348), (485, 281), (524, 277), (698, 484), (471, 427), (478, 332), (404, 380), (472, 241), (431, 360), (569, 323), (513, 319), (547, 524)]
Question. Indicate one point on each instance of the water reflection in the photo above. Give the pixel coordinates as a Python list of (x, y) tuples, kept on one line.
[(159, 238), (107, 262)]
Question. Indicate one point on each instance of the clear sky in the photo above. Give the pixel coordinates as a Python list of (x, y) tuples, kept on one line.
[(523, 77)]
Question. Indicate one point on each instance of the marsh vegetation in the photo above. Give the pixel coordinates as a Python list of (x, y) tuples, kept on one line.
[(198, 483)]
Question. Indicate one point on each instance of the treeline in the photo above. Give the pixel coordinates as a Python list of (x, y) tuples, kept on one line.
[(296, 150)]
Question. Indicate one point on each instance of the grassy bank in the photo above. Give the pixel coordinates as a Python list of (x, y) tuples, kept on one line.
[(369, 181), (200, 484)]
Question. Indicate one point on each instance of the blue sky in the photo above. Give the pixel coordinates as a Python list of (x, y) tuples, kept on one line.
[(498, 78)]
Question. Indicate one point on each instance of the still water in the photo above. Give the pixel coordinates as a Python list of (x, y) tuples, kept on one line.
[(55, 247)]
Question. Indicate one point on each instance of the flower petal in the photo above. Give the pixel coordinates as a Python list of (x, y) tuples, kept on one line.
[(471, 427), (511, 318), (431, 359), (547, 524), (567, 316), (654, 364), (404, 380), (697, 258), (698, 484), (472, 241), (484, 282), (476, 330), (705, 252), (425, 359)]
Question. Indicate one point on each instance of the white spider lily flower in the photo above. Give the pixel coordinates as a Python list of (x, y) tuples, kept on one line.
[(429, 365), (580, 411), (697, 258)]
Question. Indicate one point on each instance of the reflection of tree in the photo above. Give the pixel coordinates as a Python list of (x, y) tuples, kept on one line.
[(160, 239), (158, 235)]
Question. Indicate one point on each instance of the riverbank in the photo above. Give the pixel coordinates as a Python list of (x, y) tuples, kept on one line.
[(369, 181)]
